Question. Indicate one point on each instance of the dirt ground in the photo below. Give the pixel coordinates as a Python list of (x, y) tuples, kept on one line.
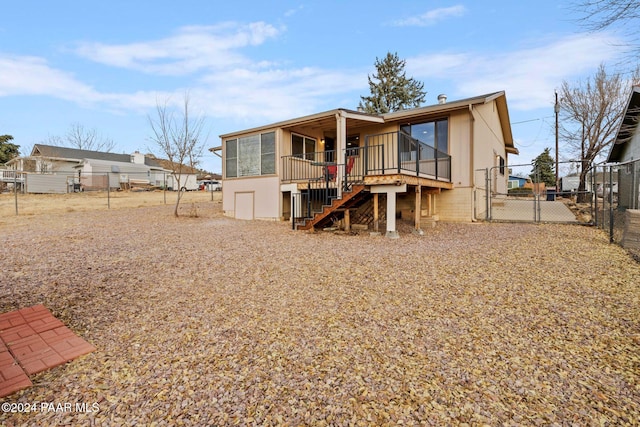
[(206, 320)]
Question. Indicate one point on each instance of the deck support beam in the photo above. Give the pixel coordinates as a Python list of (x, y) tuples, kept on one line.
[(347, 220), (417, 211), (376, 213), (390, 191), (295, 202)]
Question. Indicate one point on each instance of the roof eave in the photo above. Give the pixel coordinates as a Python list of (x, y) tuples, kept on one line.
[(308, 119), (623, 134)]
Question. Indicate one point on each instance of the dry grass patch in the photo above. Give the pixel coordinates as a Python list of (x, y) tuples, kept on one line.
[(47, 204)]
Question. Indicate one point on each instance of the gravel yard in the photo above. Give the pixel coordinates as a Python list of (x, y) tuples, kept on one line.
[(211, 321)]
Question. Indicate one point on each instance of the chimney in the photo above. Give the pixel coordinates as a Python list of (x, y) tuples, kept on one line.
[(442, 98), (137, 158)]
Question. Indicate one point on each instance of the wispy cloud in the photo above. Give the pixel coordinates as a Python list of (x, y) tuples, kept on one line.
[(278, 93), (291, 12), (431, 17), (27, 75), (529, 75), (256, 92), (190, 49)]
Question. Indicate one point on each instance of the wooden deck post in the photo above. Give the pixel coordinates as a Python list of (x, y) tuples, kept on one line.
[(347, 220), (391, 192), (376, 215)]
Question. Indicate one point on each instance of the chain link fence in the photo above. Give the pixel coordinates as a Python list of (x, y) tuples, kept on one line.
[(617, 208), (605, 195), (519, 194), (22, 192)]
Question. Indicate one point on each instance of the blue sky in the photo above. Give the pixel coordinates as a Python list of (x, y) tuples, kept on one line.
[(105, 65)]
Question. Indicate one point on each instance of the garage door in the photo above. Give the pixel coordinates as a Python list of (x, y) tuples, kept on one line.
[(244, 205)]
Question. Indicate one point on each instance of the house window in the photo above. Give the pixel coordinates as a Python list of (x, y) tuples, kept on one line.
[(353, 142), (231, 158), (434, 133), (502, 165), (268, 153), (251, 155), (302, 146)]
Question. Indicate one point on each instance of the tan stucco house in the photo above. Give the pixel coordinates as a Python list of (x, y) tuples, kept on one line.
[(342, 165)]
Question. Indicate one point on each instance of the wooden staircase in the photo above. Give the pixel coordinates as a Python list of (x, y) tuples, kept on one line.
[(326, 215)]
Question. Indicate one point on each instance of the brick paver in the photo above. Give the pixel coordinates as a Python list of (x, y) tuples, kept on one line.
[(33, 340), (12, 377)]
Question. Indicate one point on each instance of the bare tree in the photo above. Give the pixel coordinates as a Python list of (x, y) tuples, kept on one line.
[(591, 112), (599, 15), (83, 139), (178, 136)]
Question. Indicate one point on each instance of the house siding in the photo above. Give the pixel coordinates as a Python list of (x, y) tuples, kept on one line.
[(460, 148), (632, 148), (266, 199), (47, 183), (456, 205), (488, 145)]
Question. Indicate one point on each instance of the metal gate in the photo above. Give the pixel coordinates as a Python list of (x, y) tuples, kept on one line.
[(519, 194)]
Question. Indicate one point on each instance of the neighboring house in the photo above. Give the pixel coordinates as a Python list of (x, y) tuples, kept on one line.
[(93, 174), (52, 159), (516, 181), (188, 176), (626, 151), (419, 163), (92, 169)]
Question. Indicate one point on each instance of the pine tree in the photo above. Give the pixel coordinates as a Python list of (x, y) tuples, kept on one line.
[(8, 150), (390, 89), (543, 169)]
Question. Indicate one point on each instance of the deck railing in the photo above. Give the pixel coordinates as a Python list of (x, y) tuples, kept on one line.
[(399, 153), (308, 166), (382, 154), (7, 175)]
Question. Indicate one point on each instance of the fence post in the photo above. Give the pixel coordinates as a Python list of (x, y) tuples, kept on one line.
[(592, 186), (594, 189), (164, 190), (536, 196), (487, 184), (610, 204), (15, 189), (108, 193)]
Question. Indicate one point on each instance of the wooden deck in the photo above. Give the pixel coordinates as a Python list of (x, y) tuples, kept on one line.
[(399, 179)]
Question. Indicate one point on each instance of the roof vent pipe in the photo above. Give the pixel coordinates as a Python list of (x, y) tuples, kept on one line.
[(442, 98)]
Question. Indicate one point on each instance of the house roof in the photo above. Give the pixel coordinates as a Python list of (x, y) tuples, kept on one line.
[(499, 97), (324, 119), (166, 164), (357, 118), (627, 126), (67, 153), (54, 152)]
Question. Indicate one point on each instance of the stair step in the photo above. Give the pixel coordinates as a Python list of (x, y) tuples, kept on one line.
[(335, 205)]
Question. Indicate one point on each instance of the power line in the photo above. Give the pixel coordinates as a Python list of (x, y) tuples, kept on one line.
[(531, 120)]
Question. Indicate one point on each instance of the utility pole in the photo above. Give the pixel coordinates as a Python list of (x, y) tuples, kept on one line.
[(557, 110)]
